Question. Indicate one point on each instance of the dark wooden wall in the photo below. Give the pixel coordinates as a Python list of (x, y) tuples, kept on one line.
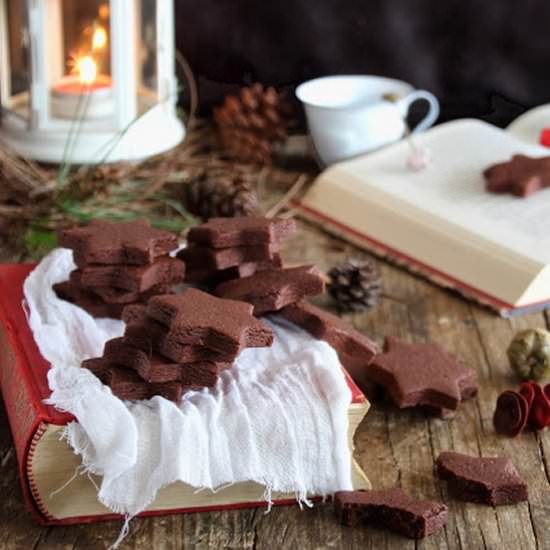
[(481, 57)]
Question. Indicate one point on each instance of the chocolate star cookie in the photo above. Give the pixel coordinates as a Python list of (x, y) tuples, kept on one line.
[(137, 278), (213, 277), (153, 337), (274, 289), (421, 374), (197, 318), (104, 242), (155, 368), (127, 385), (224, 258), (150, 336), (242, 231), (522, 176), (87, 300)]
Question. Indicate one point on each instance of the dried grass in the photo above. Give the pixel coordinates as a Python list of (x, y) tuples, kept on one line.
[(34, 204)]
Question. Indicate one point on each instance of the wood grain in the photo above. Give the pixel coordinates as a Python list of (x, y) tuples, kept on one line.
[(394, 447)]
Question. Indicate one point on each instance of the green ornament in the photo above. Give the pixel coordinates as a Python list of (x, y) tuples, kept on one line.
[(529, 354)]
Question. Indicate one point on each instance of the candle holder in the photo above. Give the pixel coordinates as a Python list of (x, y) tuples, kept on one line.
[(88, 81)]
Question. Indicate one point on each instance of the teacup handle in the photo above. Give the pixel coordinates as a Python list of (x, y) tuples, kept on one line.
[(404, 105)]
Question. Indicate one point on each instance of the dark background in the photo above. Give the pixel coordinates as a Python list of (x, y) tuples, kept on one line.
[(489, 59)]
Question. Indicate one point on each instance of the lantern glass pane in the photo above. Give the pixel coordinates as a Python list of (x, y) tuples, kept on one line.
[(79, 68), (16, 89), (86, 36), (147, 55)]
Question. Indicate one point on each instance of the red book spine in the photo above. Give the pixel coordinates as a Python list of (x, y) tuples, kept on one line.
[(21, 366), (21, 410)]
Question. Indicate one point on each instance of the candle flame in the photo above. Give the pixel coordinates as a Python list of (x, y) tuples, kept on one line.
[(99, 39), (86, 68), (84, 62)]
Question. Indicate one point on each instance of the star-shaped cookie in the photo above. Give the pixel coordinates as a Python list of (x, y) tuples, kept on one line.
[(274, 289), (200, 319), (104, 242), (240, 231), (421, 374), (522, 176)]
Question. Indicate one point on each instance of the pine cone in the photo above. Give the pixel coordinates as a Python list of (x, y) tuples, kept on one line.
[(220, 195), (355, 284), (249, 124)]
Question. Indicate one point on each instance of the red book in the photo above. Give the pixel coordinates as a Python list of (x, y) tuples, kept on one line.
[(46, 462)]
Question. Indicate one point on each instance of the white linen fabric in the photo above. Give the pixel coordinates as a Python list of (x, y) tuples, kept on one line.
[(278, 417)]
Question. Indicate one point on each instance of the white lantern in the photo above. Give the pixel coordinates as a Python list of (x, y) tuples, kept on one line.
[(88, 81)]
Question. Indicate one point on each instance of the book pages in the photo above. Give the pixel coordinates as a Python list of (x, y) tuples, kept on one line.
[(451, 190)]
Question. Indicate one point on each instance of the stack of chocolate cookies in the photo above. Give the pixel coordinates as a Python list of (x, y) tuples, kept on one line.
[(275, 289), (240, 259), (118, 264), (231, 248), (176, 343)]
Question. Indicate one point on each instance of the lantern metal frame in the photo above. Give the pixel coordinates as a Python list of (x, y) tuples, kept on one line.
[(125, 134)]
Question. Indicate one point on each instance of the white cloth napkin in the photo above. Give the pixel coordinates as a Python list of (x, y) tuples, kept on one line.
[(278, 417)]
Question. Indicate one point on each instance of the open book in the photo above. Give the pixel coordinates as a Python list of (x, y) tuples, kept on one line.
[(440, 221), (46, 462)]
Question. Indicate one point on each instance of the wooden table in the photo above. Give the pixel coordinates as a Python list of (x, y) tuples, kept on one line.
[(394, 447)]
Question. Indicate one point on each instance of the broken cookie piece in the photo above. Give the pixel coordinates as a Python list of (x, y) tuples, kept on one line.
[(493, 481), (391, 509)]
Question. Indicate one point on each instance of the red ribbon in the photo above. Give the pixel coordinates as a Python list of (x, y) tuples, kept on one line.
[(528, 406)]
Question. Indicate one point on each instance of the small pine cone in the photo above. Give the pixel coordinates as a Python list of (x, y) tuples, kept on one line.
[(355, 284), (251, 123), (218, 195)]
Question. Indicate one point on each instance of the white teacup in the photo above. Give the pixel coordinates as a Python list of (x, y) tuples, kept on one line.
[(351, 115)]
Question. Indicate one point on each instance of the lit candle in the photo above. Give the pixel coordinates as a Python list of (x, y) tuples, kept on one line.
[(86, 93)]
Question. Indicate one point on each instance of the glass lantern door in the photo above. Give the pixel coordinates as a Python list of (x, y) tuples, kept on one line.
[(147, 55), (167, 89), (78, 59), (15, 77), (155, 55)]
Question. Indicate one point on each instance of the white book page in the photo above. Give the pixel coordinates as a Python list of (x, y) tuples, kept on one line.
[(452, 187)]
